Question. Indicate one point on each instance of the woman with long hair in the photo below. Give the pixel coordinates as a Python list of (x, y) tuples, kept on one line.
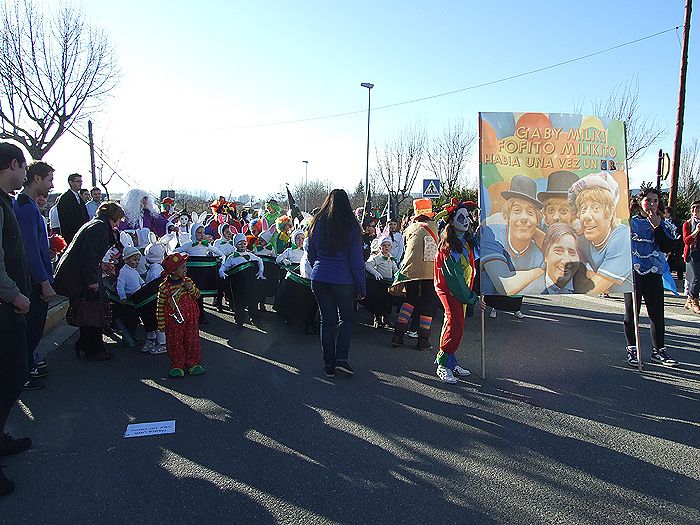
[(454, 272), (334, 249)]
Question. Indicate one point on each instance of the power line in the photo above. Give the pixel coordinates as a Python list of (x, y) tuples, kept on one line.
[(468, 88), (80, 136)]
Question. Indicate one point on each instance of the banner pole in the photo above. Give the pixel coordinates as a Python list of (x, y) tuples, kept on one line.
[(483, 343), (635, 300)]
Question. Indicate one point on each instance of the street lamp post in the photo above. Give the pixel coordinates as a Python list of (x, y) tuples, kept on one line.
[(306, 183), (369, 105)]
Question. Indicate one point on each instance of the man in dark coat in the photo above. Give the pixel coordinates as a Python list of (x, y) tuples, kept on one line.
[(72, 213), (15, 288)]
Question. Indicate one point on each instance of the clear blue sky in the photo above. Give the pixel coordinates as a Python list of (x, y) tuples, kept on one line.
[(194, 73)]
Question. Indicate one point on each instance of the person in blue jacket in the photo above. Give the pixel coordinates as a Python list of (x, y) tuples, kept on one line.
[(334, 251), (36, 245)]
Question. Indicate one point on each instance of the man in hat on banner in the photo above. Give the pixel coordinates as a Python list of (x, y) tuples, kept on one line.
[(555, 202), (510, 257), (414, 280)]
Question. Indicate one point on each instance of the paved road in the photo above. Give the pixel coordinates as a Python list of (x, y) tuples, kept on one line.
[(561, 430)]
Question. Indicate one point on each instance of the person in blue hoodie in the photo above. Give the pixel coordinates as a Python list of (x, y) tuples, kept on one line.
[(36, 245), (334, 252)]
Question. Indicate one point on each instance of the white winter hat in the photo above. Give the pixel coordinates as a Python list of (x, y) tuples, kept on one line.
[(238, 238), (129, 251)]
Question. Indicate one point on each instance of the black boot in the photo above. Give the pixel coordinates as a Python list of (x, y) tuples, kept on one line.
[(423, 340), (399, 330)]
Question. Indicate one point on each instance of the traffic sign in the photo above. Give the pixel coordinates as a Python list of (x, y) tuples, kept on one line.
[(431, 188)]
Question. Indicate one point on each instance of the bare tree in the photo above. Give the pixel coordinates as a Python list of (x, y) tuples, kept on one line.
[(623, 104), (689, 180), (400, 161), (54, 71), (448, 155), (314, 192), (194, 200)]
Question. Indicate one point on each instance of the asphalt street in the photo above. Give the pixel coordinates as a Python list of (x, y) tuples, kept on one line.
[(560, 431)]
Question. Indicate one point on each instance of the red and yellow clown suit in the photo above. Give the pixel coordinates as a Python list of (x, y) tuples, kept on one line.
[(454, 273), (182, 338)]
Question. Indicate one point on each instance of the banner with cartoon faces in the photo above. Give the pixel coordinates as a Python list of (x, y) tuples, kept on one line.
[(554, 205)]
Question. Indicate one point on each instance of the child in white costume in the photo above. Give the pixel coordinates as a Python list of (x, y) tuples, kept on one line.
[(292, 256), (155, 253), (226, 245), (263, 250), (225, 241), (128, 282), (129, 279), (200, 247), (240, 266), (382, 266)]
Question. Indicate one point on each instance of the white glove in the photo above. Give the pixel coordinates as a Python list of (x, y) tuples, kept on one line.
[(378, 277), (260, 275), (222, 275)]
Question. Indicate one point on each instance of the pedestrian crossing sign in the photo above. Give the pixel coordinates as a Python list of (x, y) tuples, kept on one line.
[(431, 188)]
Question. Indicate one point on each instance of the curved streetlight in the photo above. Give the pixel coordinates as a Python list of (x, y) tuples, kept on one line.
[(369, 98)]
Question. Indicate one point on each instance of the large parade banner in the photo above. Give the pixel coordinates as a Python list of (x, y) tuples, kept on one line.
[(554, 205)]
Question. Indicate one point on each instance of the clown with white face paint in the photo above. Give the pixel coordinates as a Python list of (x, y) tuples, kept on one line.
[(454, 278)]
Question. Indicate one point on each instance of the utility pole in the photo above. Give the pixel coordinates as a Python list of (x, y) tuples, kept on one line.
[(92, 154), (306, 184), (678, 142)]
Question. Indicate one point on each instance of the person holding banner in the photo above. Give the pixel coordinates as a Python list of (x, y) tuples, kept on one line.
[(454, 272), (651, 239)]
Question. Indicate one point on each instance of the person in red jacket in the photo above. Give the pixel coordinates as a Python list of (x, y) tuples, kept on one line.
[(691, 255)]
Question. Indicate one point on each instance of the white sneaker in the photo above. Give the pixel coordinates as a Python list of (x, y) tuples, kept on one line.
[(412, 335), (461, 372), (492, 315), (150, 344), (445, 374), (159, 349), (518, 314)]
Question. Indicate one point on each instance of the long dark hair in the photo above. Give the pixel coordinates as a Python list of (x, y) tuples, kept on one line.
[(450, 239), (335, 222)]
